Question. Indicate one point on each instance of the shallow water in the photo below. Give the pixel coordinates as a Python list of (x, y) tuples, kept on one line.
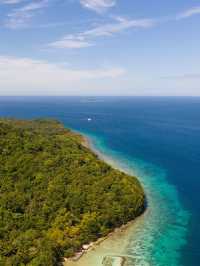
[(157, 139)]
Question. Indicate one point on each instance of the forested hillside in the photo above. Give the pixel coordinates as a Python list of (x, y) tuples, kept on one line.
[(55, 194)]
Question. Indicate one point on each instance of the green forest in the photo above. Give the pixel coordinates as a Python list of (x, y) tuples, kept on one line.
[(56, 194)]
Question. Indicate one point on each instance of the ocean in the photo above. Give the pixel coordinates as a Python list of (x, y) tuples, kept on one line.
[(155, 138)]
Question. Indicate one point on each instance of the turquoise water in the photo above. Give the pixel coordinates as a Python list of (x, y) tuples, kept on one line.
[(157, 139), (160, 237)]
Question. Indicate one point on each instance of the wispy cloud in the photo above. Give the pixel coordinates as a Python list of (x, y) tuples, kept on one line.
[(98, 5), (10, 2), (19, 17), (120, 25), (26, 73), (189, 13), (71, 42), (86, 38)]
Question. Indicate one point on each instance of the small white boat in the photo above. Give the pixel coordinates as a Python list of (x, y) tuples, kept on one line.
[(89, 119)]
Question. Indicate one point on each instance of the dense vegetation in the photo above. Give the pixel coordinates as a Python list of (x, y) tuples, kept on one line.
[(55, 194)]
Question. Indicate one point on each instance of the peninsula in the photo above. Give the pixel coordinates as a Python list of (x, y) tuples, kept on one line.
[(56, 194)]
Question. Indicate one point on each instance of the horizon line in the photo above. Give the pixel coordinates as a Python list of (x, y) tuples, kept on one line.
[(149, 96)]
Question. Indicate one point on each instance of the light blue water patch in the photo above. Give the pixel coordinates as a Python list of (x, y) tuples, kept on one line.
[(158, 240)]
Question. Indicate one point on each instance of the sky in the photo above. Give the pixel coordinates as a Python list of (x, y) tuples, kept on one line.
[(100, 47)]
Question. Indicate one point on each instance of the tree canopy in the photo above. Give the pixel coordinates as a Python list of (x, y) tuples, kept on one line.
[(56, 194)]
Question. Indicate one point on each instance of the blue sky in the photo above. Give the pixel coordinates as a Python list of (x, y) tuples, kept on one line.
[(99, 47)]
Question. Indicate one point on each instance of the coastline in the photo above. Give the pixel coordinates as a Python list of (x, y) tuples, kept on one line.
[(119, 234), (86, 142)]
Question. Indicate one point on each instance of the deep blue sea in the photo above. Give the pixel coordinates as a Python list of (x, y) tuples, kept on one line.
[(156, 138)]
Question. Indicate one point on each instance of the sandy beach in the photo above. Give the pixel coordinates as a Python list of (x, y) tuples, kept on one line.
[(108, 251)]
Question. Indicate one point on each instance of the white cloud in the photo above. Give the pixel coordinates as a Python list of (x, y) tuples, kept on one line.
[(119, 26), (98, 5), (85, 38), (189, 13), (71, 42), (10, 2), (19, 17), (24, 74)]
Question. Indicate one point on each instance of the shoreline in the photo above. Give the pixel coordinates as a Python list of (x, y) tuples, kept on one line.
[(122, 230), (93, 245)]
